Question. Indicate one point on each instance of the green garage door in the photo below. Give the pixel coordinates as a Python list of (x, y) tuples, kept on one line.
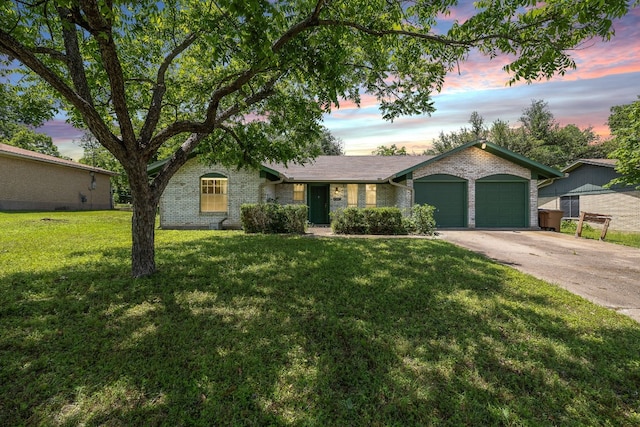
[(448, 194), (502, 201)]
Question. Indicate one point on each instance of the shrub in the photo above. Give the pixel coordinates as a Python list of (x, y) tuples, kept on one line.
[(273, 218), (383, 221), (348, 221), (421, 220), (367, 221)]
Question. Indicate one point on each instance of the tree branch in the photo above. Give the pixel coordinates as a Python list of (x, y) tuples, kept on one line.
[(310, 21), (102, 32), (10, 46), (73, 56), (52, 53), (155, 108), (179, 158)]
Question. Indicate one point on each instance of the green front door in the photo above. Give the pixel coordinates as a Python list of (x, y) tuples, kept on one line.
[(448, 194), (319, 203), (502, 202)]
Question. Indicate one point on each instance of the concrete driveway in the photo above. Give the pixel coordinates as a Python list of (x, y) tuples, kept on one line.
[(604, 273)]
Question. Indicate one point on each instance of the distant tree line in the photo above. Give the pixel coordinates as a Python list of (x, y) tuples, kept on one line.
[(539, 137)]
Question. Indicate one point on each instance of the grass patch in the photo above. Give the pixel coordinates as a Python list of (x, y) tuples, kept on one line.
[(626, 238), (269, 330)]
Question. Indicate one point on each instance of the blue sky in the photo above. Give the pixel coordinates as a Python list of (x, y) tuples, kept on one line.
[(607, 74)]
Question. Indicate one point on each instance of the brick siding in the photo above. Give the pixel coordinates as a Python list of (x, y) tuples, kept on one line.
[(180, 202), (475, 163), (33, 185), (623, 206)]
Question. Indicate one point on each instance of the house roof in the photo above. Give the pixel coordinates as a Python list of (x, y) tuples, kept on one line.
[(11, 151), (346, 168), (608, 163), (376, 169), (536, 168)]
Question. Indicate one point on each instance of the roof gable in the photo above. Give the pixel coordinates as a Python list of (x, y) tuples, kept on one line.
[(607, 163), (541, 171)]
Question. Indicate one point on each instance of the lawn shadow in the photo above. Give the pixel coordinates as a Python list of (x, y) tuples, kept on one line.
[(267, 330)]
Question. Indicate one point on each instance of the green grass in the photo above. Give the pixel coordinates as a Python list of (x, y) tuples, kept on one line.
[(593, 232), (274, 330)]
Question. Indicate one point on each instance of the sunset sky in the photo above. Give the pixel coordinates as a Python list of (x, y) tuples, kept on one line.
[(607, 74)]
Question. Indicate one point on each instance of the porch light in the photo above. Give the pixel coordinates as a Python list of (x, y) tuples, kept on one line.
[(337, 191), (484, 145)]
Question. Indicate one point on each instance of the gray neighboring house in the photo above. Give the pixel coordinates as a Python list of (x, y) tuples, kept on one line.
[(583, 189), (31, 181), (478, 184)]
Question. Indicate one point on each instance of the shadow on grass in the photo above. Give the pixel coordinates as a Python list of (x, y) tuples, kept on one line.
[(266, 330)]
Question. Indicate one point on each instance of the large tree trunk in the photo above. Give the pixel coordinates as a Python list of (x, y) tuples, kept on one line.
[(145, 204), (143, 236)]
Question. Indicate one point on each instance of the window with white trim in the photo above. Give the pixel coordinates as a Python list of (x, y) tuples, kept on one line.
[(213, 193)]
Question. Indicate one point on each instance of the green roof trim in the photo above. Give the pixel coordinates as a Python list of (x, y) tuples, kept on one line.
[(269, 173), (440, 177), (501, 177), (213, 175), (540, 170), (154, 167)]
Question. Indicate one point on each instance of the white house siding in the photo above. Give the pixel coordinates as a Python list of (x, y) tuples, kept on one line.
[(624, 207), (475, 163), (180, 202)]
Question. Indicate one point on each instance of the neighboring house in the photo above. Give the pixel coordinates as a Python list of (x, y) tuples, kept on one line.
[(583, 189), (478, 184), (31, 181)]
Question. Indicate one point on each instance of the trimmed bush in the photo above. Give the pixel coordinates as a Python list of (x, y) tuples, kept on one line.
[(421, 220), (348, 221), (384, 221), (368, 221), (271, 218)]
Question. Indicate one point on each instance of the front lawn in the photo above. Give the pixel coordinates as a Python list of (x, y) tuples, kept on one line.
[(272, 330)]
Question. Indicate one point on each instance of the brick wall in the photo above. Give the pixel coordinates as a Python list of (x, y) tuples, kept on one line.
[(32, 185), (475, 163), (180, 202), (624, 207)]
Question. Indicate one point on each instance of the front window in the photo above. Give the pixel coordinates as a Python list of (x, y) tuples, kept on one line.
[(213, 194), (371, 195), (570, 205), (298, 192), (352, 195)]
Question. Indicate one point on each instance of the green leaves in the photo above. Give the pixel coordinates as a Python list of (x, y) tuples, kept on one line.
[(626, 132)]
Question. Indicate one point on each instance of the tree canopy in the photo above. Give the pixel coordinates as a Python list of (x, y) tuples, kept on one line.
[(539, 137), (244, 81), (391, 150), (624, 123), (20, 112)]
